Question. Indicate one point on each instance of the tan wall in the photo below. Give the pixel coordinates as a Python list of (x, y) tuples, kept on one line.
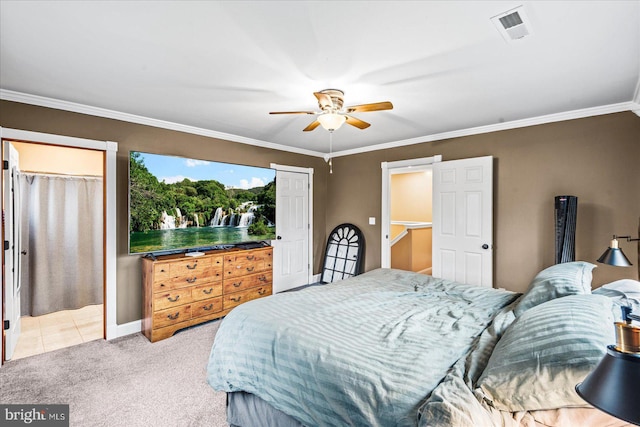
[(59, 160), (411, 196), (401, 253), (395, 230), (596, 159), (414, 251), (421, 256), (135, 137)]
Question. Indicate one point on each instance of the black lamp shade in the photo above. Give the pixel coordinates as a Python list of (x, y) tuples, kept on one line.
[(615, 256), (614, 386)]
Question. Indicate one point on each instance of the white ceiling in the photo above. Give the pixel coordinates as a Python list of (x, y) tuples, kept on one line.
[(218, 68)]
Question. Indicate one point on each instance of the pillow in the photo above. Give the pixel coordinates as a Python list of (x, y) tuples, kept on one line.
[(546, 352), (623, 293), (568, 278)]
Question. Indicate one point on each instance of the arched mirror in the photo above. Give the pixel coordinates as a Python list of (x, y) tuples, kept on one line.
[(343, 256)]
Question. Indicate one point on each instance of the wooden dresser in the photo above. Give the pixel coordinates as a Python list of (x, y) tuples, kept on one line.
[(181, 291)]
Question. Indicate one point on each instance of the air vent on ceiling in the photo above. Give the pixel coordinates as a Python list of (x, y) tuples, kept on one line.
[(513, 24)]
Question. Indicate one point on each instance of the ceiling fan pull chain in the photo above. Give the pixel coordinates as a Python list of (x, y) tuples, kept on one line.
[(330, 152)]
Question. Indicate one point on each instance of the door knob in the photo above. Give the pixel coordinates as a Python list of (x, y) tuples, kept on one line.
[(279, 237), (485, 246)]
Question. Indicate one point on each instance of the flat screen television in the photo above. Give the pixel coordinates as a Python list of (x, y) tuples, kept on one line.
[(177, 204)]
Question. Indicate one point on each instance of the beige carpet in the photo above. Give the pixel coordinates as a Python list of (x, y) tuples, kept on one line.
[(125, 382)]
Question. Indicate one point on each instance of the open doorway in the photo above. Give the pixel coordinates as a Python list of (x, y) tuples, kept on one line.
[(411, 220), (11, 310), (58, 246), (407, 214)]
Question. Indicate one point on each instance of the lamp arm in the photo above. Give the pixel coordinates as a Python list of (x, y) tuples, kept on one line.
[(629, 238)]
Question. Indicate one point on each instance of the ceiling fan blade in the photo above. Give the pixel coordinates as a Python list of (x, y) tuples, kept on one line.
[(357, 122), (376, 106), (324, 100), (293, 112), (312, 126)]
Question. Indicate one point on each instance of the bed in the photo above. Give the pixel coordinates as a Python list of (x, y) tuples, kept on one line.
[(396, 348)]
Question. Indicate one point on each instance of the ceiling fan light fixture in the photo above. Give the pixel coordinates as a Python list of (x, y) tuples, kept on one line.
[(331, 121)]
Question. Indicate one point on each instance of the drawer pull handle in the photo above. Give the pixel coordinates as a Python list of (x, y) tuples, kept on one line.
[(162, 285), (236, 299), (262, 278), (208, 292), (192, 267), (174, 299), (237, 284), (262, 291), (162, 270), (250, 268), (207, 307), (251, 257), (173, 316), (191, 280)]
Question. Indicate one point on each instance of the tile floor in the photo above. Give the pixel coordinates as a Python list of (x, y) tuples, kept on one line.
[(58, 330)]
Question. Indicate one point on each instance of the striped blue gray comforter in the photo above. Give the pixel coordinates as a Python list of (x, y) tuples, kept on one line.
[(366, 351)]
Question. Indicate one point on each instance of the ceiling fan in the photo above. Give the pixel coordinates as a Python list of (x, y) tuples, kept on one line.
[(333, 114)]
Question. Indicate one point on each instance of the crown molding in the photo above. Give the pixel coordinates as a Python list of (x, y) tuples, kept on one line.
[(636, 99), (57, 104), (41, 101), (549, 118)]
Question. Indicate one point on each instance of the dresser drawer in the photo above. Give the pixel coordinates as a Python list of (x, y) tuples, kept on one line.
[(237, 298), (246, 282), (172, 298), (267, 257), (190, 266), (241, 264), (208, 290), (195, 278), (171, 316), (205, 276), (204, 307), (161, 272), (163, 285)]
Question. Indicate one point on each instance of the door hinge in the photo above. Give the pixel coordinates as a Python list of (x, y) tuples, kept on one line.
[(6, 245), (6, 325), (5, 165)]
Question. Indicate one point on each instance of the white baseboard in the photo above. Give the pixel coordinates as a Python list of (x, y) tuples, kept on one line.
[(124, 329), (316, 278)]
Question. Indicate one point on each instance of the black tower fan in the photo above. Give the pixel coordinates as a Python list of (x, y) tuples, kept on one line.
[(566, 212)]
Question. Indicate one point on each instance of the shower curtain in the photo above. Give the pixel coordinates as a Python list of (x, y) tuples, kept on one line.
[(62, 228)]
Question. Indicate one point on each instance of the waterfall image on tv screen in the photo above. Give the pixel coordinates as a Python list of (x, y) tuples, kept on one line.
[(176, 203)]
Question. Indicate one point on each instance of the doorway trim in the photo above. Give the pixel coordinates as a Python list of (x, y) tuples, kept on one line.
[(388, 169), (110, 149), (308, 171)]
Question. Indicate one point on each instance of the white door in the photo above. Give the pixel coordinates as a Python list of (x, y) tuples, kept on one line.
[(291, 265), (463, 220), (13, 247)]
